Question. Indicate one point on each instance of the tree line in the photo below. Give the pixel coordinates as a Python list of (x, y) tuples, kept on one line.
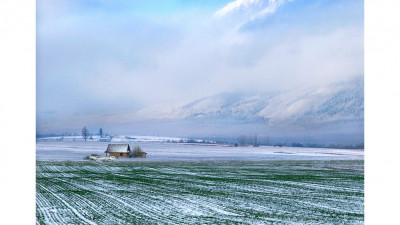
[(86, 134)]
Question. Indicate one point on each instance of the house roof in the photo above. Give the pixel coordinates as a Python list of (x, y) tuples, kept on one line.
[(118, 148)]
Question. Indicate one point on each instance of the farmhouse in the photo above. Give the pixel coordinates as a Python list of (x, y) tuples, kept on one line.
[(118, 150)]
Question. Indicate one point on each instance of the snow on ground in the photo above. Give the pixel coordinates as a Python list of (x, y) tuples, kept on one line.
[(116, 138), (182, 183), (161, 151)]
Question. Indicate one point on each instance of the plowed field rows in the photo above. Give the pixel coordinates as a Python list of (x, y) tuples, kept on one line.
[(295, 192)]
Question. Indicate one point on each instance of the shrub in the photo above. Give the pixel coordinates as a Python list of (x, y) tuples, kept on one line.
[(137, 151)]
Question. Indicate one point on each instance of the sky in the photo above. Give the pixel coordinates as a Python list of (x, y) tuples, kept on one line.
[(101, 58)]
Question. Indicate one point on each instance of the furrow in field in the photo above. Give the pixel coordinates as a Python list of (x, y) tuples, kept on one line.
[(68, 205), (139, 207), (42, 207), (50, 207)]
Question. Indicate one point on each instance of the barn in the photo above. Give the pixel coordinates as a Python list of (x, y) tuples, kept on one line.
[(118, 150)]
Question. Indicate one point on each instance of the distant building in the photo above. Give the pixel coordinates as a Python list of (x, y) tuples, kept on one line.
[(105, 139), (118, 150)]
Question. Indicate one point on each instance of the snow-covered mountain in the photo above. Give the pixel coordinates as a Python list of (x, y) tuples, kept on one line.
[(338, 102), (327, 114)]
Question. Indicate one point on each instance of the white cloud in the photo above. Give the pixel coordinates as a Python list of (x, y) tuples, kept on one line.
[(95, 64), (236, 5), (272, 6), (252, 9)]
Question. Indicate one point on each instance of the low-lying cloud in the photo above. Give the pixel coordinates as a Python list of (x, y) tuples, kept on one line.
[(96, 59)]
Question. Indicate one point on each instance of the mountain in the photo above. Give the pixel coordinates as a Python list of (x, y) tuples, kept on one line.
[(307, 106), (327, 114)]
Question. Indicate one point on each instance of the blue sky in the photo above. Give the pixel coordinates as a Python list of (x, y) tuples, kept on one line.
[(97, 58)]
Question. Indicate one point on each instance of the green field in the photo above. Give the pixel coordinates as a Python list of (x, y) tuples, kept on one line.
[(279, 192)]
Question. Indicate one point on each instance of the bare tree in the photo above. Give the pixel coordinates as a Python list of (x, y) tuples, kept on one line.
[(137, 151), (85, 133), (101, 132), (255, 144)]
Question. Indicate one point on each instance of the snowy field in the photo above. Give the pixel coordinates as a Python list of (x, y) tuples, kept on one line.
[(161, 150), (234, 192), (181, 183)]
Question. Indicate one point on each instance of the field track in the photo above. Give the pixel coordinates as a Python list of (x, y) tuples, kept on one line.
[(278, 192)]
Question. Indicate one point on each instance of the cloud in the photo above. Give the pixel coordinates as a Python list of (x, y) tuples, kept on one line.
[(92, 61), (251, 9), (236, 5)]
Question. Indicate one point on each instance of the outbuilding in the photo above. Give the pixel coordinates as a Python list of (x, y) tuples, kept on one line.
[(118, 150)]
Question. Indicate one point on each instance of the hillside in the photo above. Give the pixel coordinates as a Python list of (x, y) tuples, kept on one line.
[(325, 114), (338, 102)]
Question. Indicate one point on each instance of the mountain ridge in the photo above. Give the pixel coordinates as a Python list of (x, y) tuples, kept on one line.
[(337, 102)]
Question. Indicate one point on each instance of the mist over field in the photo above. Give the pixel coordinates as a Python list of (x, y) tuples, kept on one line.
[(287, 70)]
